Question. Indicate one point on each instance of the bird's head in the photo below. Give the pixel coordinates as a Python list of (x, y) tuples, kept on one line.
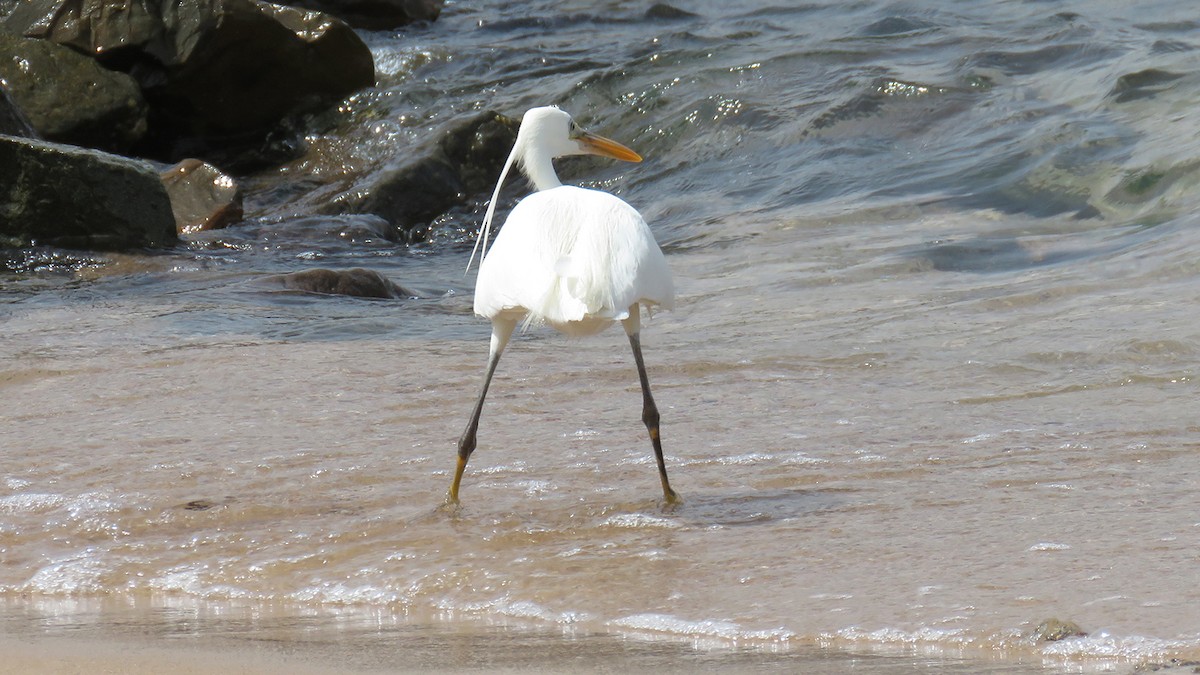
[(547, 133), (551, 132)]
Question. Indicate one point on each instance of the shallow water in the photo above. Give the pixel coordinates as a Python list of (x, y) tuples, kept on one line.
[(930, 382)]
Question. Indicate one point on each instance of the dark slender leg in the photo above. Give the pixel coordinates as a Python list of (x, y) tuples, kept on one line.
[(501, 331), (649, 411)]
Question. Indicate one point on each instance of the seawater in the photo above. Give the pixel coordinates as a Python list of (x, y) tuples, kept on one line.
[(931, 380)]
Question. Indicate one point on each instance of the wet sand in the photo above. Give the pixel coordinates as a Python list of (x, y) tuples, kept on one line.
[(71, 655), (151, 642)]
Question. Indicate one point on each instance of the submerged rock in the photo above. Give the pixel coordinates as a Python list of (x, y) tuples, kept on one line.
[(69, 98), (61, 195), (213, 71), (1142, 84), (468, 160), (661, 10), (889, 105), (358, 282), (202, 198), (1053, 630), (375, 14)]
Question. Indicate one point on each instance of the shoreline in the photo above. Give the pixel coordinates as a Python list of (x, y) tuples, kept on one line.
[(199, 638)]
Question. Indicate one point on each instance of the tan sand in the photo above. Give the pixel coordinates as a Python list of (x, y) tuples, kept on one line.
[(61, 655)]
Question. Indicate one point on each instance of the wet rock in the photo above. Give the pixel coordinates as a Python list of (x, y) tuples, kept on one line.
[(357, 282), (69, 98), (891, 107), (202, 198), (1053, 630), (12, 119), (661, 10), (468, 160), (70, 197), (1142, 84), (478, 147), (895, 26), (375, 14), (213, 71)]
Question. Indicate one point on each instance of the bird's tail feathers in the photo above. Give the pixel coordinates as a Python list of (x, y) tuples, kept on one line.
[(570, 297)]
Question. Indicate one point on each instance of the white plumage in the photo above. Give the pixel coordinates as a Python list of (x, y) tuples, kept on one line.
[(573, 258)]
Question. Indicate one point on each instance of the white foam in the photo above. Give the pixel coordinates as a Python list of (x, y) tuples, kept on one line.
[(515, 467), (706, 628), (346, 594), (1101, 648), (521, 609), (30, 502), (533, 488), (531, 610), (77, 573), (1103, 645), (747, 458), (1050, 546), (893, 637), (639, 520)]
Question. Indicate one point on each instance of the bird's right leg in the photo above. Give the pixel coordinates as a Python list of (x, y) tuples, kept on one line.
[(649, 409), (502, 330)]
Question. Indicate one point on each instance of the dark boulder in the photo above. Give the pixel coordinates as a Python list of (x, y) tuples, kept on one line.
[(467, 161), (12, 119), (202, 198), (61, 195), (357, 282), (215, 72), (69, 98), (375, 14)]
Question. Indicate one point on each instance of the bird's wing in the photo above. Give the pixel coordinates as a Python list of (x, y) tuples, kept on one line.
[(569, 254)]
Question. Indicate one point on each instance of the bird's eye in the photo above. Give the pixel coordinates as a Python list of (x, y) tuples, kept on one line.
[(572, 129)]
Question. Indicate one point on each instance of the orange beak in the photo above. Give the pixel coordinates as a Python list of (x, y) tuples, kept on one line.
[(606, 147)]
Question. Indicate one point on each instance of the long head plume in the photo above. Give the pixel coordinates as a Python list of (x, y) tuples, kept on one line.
[(481, 238)]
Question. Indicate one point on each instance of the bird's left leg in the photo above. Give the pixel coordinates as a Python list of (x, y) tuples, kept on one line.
[(502, 330), (633, 327)]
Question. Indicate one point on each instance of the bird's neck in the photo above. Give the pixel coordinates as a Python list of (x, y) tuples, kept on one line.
[(540, 171)]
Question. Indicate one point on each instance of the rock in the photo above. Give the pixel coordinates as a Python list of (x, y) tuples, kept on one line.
[(12, 119), (375, 14), (69, 98), (468, 160), (69, 197), (357, 282), (661, 10), (1142, 84), (202, 198), (1053, 630), (213, 71), (478, 147)]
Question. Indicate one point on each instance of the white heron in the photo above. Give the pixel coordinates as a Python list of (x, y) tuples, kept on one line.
[(574, 258)]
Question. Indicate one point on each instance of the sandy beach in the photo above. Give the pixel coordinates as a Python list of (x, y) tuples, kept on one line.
[(132, 645), (929, 383), (141, 635)]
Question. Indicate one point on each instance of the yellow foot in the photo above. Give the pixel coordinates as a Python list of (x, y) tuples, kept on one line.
[(671, 500), (451, 504)]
